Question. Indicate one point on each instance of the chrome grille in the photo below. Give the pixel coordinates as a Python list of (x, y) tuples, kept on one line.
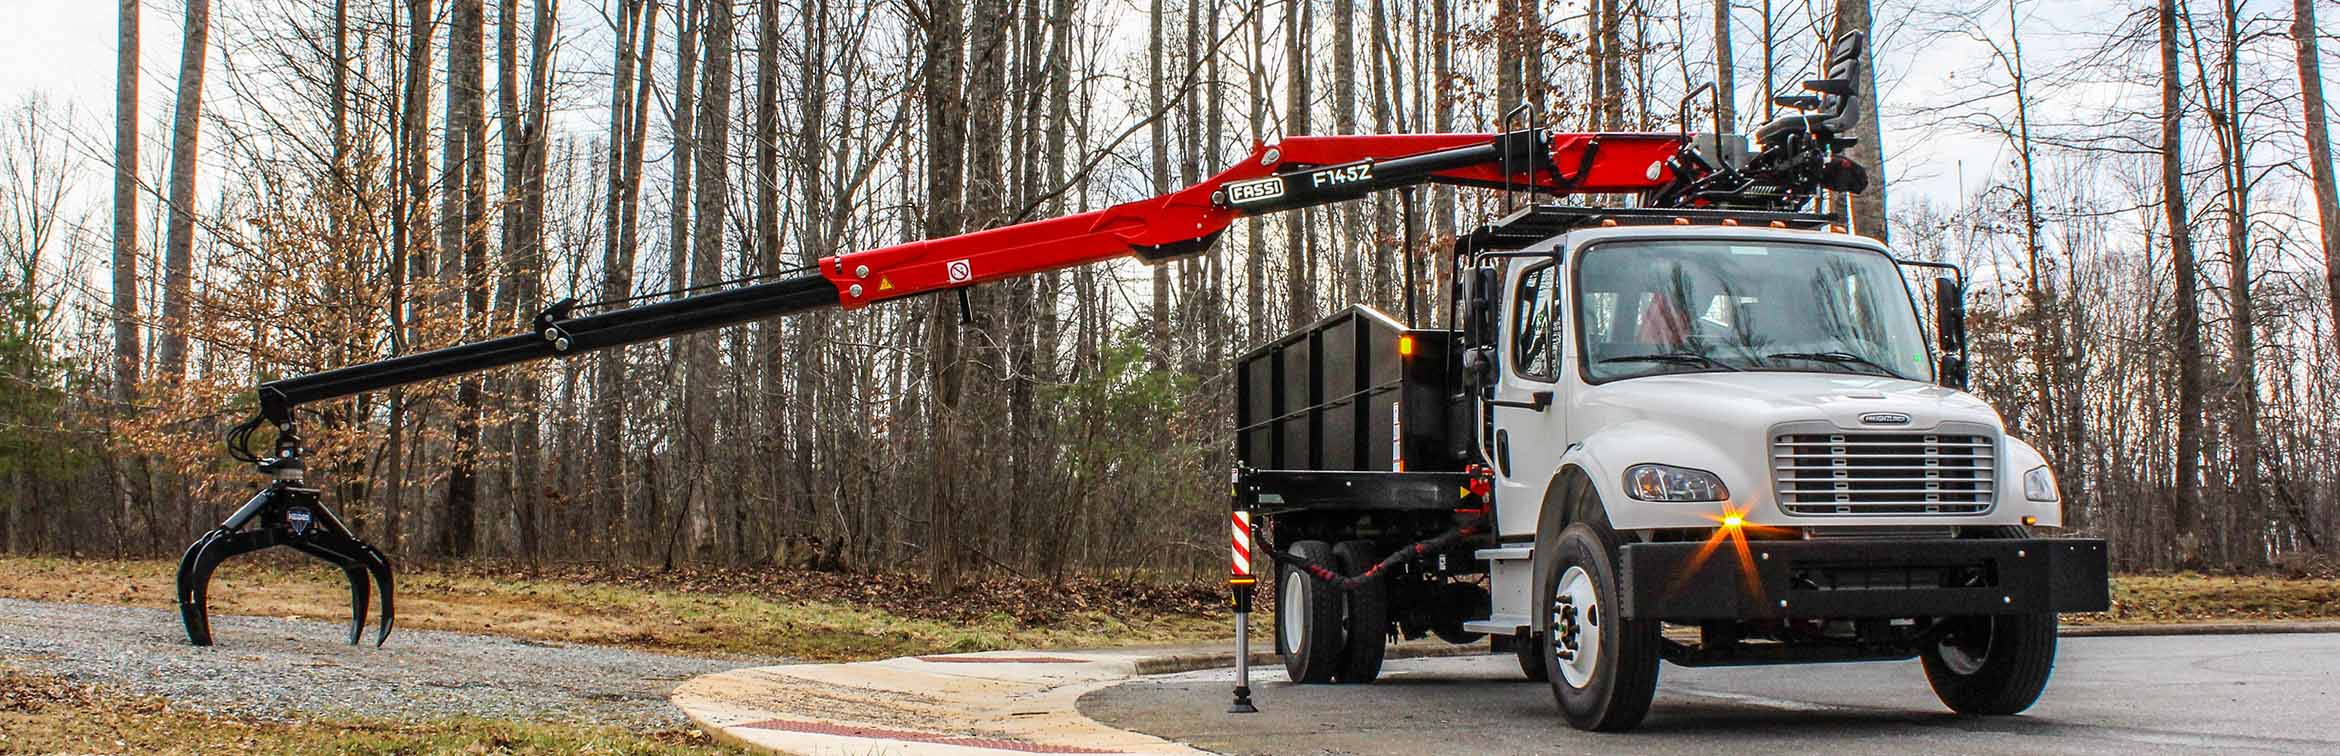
[(1871, 473)]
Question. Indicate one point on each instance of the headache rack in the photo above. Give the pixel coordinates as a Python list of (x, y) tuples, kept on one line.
[(1536, 223)]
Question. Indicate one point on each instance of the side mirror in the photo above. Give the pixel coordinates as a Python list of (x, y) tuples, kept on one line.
[(1950, 331), (1480, 292)]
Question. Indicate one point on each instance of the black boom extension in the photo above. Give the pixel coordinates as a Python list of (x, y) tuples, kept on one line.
[(288, 513)]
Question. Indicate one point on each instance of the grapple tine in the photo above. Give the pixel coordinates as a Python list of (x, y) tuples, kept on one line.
[(328, 548), (192, 611), (195, 574), (380, 566)]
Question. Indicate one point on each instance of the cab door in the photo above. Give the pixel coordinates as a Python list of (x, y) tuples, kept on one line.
[(1528, 435)]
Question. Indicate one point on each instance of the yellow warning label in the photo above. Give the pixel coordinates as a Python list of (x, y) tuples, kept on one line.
[(885, 284), (1466, 493)]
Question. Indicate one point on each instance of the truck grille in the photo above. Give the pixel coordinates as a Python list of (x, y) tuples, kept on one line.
[(1869, 473)]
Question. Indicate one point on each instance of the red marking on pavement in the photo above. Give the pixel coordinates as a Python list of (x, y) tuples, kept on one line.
[(855, 731), (999, 660)]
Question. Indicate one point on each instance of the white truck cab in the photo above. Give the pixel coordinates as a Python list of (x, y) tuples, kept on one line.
[(1702, 438)]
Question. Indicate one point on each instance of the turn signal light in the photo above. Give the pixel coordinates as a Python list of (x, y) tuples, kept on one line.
[(1405, 346)]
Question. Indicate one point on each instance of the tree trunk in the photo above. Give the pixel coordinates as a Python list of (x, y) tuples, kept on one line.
[(1158, 131), (1300, 280), (1726, 87), (2319, 150), (1868, 209), (2186, 509), (773, 442), (464, 179), (413, 241), (606, 477), (2243, 334), (712, 143), (946, 130), (179, 242), (1255, 238), (125, 294)]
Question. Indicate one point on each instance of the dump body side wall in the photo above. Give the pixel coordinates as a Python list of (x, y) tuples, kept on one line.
[(1338, 395)]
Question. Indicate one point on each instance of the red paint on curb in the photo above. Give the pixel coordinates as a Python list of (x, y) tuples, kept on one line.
[(853, 731)]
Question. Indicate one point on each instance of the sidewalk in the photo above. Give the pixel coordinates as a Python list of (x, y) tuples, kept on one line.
[(981, 703)]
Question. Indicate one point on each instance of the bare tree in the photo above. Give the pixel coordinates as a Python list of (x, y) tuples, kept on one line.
[(1868, 209), (2319, 149), (126, 346), (2186, 509), (179, 242), (712, 143), (1726, 87), (463, 257)]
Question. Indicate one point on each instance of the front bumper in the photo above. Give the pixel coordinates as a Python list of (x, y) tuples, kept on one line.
[(1853, 579)]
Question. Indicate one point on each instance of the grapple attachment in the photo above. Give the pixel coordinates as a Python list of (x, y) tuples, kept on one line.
[(284, 514)]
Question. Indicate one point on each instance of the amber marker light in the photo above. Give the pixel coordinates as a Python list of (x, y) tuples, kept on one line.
[(1733, 519), (1405, 346)]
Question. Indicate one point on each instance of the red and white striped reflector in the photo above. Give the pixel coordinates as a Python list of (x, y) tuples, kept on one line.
[(1242, 562)]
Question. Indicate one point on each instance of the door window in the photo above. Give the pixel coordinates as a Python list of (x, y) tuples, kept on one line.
[(1534, 342)]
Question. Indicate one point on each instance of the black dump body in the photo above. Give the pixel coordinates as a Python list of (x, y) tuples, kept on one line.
[(1352, 428), (1339, 395)]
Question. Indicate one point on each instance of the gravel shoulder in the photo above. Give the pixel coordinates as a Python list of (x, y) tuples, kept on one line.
[(285, 668)]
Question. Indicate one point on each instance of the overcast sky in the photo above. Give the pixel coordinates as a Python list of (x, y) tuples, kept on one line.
[(65, 48)]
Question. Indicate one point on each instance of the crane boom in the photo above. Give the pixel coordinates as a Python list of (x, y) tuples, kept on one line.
[(1295, 173)]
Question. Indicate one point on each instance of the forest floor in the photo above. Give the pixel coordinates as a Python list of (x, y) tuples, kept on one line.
[(49, 714)]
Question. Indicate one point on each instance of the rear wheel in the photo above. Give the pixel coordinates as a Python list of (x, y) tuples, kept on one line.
[(1529, 647), (1367, 618), (1603, 668), (1308, 618)]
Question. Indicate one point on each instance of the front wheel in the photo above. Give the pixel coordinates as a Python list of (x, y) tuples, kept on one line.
[(1994, 665), (1602, 667)]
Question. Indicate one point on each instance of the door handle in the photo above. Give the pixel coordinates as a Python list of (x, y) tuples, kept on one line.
[(1536, 401)]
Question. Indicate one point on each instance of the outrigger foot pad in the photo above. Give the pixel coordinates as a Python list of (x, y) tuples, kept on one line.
[(284, 515)]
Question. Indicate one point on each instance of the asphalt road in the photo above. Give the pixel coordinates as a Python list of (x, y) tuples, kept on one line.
[(2127, 696)]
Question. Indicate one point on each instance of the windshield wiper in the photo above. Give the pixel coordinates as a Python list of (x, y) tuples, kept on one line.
[(1835, 358), (1678, 358)]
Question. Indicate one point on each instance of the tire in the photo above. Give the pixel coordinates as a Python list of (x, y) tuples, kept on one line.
[(1992, 665), (1995, 665), (1608, 684), (1308, 618), (1530, 650), (1367, 619)]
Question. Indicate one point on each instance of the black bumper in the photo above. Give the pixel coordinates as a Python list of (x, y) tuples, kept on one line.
[(1853, 579)]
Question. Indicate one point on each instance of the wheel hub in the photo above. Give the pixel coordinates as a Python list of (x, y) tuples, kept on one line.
[(1576, 626)]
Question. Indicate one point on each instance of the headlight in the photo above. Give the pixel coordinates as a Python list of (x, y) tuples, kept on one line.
[(1670, 483), (2040, 484)]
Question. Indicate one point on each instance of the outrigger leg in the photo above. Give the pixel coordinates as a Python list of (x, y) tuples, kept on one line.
[(284, 514)]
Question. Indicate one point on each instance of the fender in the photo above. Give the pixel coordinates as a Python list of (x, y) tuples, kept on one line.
[(2016, 459), (1603, 457)]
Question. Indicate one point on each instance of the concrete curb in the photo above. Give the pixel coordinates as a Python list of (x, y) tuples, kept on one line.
[(2199, 628)]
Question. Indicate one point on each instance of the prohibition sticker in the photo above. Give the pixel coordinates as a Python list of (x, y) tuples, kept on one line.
[(961, 272)]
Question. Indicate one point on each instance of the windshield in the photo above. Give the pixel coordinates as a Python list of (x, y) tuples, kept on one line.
[(1696, 305)]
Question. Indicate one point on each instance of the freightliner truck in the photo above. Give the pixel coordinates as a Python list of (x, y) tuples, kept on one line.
[(1704, 438)]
